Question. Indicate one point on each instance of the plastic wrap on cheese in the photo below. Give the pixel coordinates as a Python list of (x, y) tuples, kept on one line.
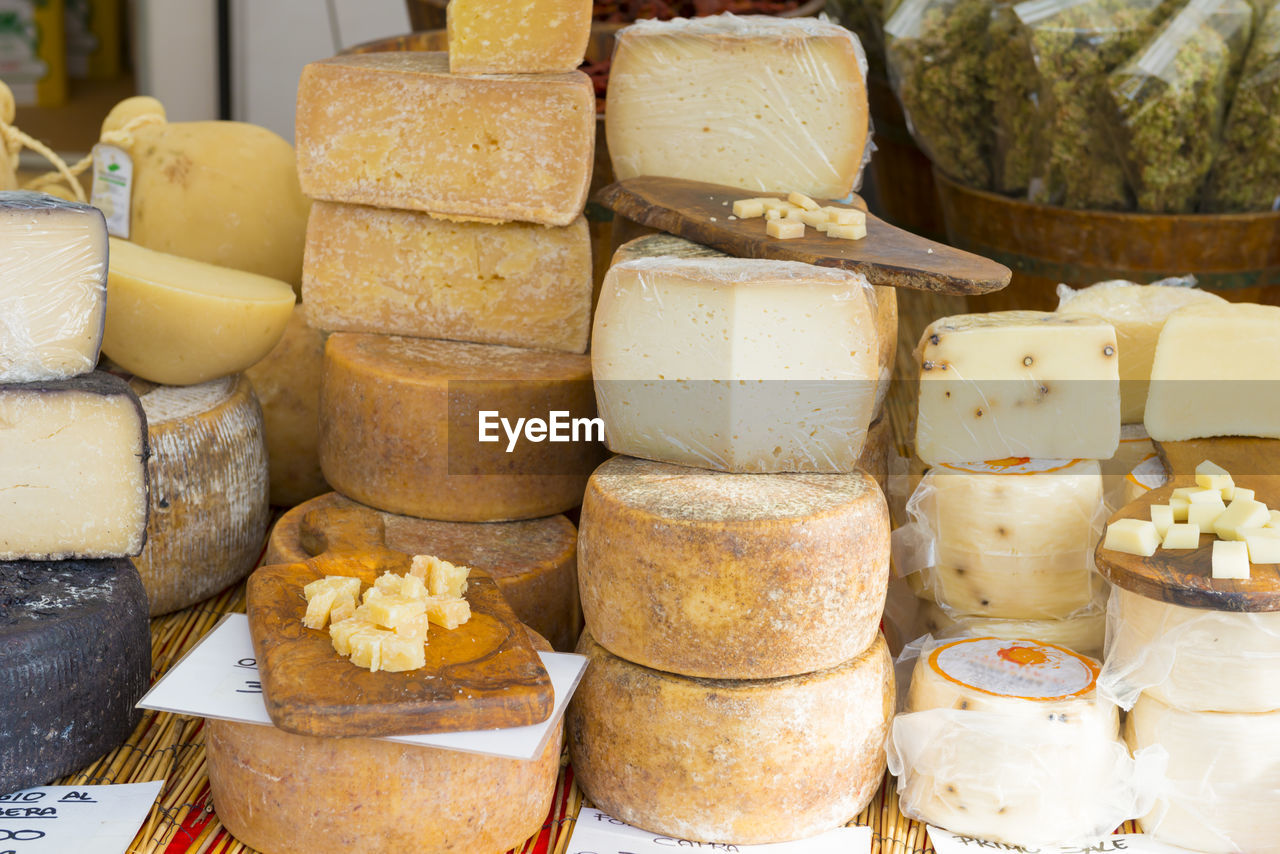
[(1012, 538), (736, 365), (1193, 658), (53, 287), (1007, 741), (1084, 633), (762, 103)]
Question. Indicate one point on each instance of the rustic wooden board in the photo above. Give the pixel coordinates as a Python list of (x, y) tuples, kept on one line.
[(483, 675), (887, 255), (1244, 456)]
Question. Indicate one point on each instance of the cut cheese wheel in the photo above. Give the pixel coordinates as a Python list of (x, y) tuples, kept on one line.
[(181, 322), (766, 104), (208, 480), (533, 562), (77, 656), (730, 762), (280, 793), (406, 273), (73, 477), (729, 576), (1084, 633), (287, 384), (518, 36), (400, 425), (1223, 777)]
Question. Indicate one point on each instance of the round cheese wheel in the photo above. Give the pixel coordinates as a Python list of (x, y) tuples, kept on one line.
[(399, 427), (533, 562), (281, 793), (1223, 777), (730, 762), (1084, 633), (76, 657), (732, 576), (878, 451)]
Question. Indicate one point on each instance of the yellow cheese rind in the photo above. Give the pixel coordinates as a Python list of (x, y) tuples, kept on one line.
[(517, 36)]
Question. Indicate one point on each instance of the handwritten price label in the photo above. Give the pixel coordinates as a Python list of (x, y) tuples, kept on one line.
[(74, 819), (945, 842), (600, 833)]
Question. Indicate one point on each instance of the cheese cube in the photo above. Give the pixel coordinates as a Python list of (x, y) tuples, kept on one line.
[(1206, 513), (448, 612), (318, 607), (442, 578), (366, 647), (414, 627), (813, 218), (1017, 384), (397, 130), (343, 609), (800, 200), (1132, 536), (735, 364), (1162, 518), (1182, 536), (847, 232), (1180, 506), (517, 36), (1242, 513), (1275, 519), (785, 229), (53, 287), (1230, 560), (845, 216), (413, 587), (1209, 475), (1215, 372), (1237, 493), (766, 104), (345, 586), (772, 204), (398, 653), (390, 611), (1204, 496), (340, 632), (748, 208), (1263, 543), (1185, 492)]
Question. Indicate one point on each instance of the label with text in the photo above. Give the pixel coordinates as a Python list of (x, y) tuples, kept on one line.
[(599, 833), (75, 819), (945, 842)]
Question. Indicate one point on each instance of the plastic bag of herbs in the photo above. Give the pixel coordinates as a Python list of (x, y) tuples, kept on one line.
[(1246, 173), (1170, 98), (935, 52), (866, 19), (1012, 89)]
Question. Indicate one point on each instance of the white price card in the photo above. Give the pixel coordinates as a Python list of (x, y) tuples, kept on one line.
[(600, 833), (945, 842), (219, 679), (75, 819)]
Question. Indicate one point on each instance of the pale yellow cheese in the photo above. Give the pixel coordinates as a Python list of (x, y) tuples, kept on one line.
[(1162, 518), (1181, 535), (447, 612), (1230, 560), (517, 36), (442, 577), (1132, 536), (1210, 475), (1240, 514), (1264, 545)]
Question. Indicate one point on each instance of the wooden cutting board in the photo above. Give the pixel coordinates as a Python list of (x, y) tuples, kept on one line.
[(887, 255), (485, 674)]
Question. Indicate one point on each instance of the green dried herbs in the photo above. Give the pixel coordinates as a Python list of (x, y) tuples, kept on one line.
[(1012, 90), (863, 17)]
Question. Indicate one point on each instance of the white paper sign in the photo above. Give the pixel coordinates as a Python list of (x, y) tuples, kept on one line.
[(600, 833), (112, 188), (945, 842), (219, 679), (75, 819)]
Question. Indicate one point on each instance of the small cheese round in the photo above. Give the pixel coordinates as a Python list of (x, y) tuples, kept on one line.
[(400, 420), (1084, 633), (732, 576), (731, 762)]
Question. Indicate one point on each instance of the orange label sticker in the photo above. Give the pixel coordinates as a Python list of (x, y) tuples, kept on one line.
[(1028, 669)]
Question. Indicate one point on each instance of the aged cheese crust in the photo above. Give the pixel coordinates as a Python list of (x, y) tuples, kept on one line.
[(728, 576), (739, 762), (517, 36)]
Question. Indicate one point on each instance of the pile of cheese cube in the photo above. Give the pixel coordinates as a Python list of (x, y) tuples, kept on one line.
[(786, 220)]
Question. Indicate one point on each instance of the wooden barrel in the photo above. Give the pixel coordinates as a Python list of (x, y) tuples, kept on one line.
[(1235, 255)]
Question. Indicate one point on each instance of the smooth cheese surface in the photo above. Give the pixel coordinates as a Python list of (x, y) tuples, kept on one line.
[(765, 104), (732, 762), (688, 354), (397, 130), (730, 576), (1018, 384), (175, 321), (406, 273), (521, 37), (1084, 633), (53, 286), (73, 477), (1215, 372)]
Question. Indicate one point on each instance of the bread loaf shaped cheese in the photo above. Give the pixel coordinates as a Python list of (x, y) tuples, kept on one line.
[(732, 576), (730, 762), (1085, 632), (518, 36)]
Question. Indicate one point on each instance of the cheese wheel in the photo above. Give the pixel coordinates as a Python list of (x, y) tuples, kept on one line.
[(533, 562), (1084, 633), (280, 793), (1223, 777), (881, 448), (1135, 446), (732, 576), (399, 421), (76, 657), (730, 762), (208, 480)]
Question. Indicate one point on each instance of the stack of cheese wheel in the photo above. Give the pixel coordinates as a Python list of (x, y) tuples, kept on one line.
[(73, 472)]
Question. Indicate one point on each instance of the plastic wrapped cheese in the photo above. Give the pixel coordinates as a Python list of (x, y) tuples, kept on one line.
[(1084, 633), (1007, 741)]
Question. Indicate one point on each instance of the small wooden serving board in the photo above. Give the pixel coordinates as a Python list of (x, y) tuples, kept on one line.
[(485, 674), (886, 256)]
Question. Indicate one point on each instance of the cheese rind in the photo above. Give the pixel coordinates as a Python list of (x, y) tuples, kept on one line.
[(397, 130), (521, 37)]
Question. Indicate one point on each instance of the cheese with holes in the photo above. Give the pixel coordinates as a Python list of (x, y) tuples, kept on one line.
[(1138, 313), (1083, 633), (534, 562), (1223, 777), (77, 656), (280, 793), (761, 103), (287, 384), (739, 762), (405, 273), (732, 576), (689, 353), (397, 130), (1215, 373), (1018, 384), (400, 422), (73, 469), (53, 286), (517, 36), (208, 481), (175, 321)]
